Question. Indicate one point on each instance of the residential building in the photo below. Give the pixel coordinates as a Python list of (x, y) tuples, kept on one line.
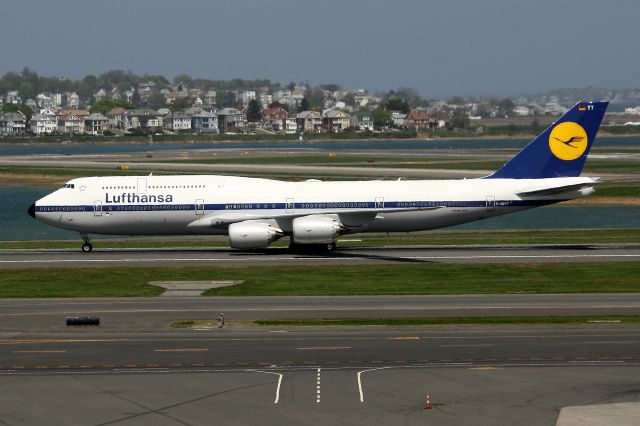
[(71, 123), (13, 97), (398, 118), (142, 119), (44, 101), (632, 110), (31, 104), (210, 97), (273, 118), (419, 120), (363, 122), (73, 100), (265, 99), (95, 124), (231, 120), (204, 122), (12, 123), (44, 122), (521, 111), (178, 122), (246, 95), (117, 118), (290, 126), (309, 121), (336, 121), (100, 95)]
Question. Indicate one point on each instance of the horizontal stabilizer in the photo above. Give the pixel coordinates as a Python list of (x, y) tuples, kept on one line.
[(557, 189)]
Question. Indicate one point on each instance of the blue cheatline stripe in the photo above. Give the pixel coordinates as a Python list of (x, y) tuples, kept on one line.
[(333, 205)]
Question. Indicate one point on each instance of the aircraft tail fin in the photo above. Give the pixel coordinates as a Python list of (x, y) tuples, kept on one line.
[(559, 151)]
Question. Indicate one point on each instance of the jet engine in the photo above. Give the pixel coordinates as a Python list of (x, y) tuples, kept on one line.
[(316, 229), (252, 234)]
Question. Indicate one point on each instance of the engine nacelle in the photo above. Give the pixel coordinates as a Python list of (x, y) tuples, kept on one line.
[(316, 229), (252, 234)]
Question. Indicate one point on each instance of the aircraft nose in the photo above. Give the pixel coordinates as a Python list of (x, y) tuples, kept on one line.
[(32, 210)]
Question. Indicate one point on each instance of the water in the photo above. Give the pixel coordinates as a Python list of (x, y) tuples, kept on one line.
[(18, 225), (101, 148)]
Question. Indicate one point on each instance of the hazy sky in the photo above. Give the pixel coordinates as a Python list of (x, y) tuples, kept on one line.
[(442, 48)]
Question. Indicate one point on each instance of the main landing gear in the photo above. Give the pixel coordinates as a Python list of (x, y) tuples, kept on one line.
[(87, 247)]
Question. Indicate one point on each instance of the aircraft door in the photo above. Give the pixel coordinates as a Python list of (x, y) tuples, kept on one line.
[(290, 205), (97, 208), (142, 185), (379, 202), (199, 207), (491, 203)]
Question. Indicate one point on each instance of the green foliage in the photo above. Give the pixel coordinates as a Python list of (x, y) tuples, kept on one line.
[(316, 99), (254, 111), (105, 105), (381, 117), (304, 105), (18, 108), (156, 101), (460, 119), (397, 104)]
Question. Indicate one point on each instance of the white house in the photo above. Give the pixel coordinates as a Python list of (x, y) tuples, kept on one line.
[(12, 123), (178, 121), (44, 122), (521, 111), (204, 122), (290, 126), (246, 95)]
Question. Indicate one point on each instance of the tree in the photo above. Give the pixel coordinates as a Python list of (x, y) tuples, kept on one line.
[(381, 117), (156, 101), (460, 119), (457, 100), (254, 111), (105, 105), (316, 99), (397, 104), (304, 105), (331, 87), (22, 108), (505, 107), (349, 99)]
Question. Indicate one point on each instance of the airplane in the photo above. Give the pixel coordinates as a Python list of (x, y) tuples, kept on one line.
[(255, 212)]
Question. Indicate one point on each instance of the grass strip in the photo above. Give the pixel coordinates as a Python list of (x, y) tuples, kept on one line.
[(329, 280), (440, 321)]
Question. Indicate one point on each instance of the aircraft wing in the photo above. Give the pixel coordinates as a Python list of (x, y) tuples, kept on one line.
[(351, 216)]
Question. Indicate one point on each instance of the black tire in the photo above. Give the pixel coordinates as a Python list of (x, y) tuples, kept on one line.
[(87, 248)]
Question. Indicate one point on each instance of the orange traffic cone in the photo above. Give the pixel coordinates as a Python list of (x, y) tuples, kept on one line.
[(427, 402)]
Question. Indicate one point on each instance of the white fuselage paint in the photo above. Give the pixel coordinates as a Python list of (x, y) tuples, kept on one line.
[(167, 205)]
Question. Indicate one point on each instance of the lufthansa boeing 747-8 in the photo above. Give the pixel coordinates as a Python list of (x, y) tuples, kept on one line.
[(255, 212)]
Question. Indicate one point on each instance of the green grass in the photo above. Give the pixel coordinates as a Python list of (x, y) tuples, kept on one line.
[(433, 321), (409, 278)]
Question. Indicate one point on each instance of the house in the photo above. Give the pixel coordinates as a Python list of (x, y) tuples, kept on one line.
[(13, 97), (178, 122), (419, 120), (71, 123), (231, 120), (309, 121), (210, 97), (117, 118), (521, 111), (363, 122), (274, 117), (290, 126), (265, 99), (142, 119), (100, 95), (246, 95), (44, 101), (398, 118), (73, 100), (336, 121), (12, 123), (96, 124), (45, 122), (204, 122)]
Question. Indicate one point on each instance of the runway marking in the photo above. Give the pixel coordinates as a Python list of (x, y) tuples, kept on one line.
[(405, 338), (318, 387), (39, 352), (360, 380), (479, 345), (324, 348), (279, 382), (30, 342), (485, 368), (182, 350), (611, 342)]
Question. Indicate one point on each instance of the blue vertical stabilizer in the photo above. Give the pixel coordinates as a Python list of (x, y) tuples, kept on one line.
[(559, 151)]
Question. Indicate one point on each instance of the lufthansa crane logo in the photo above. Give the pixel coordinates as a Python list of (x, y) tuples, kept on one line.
[(568, 140)]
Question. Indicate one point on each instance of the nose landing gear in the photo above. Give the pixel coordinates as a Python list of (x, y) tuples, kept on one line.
[(87, 247)]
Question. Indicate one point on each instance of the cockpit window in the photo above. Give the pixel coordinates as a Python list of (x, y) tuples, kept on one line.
[(69, 185)]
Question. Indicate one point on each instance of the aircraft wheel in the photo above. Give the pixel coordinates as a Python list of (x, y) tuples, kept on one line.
[(87, 247)]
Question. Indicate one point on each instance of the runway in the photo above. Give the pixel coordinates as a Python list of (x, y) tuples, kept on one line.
[(343, 256)]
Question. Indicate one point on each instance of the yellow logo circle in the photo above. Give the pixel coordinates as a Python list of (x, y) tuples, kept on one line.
[(568, 140)]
